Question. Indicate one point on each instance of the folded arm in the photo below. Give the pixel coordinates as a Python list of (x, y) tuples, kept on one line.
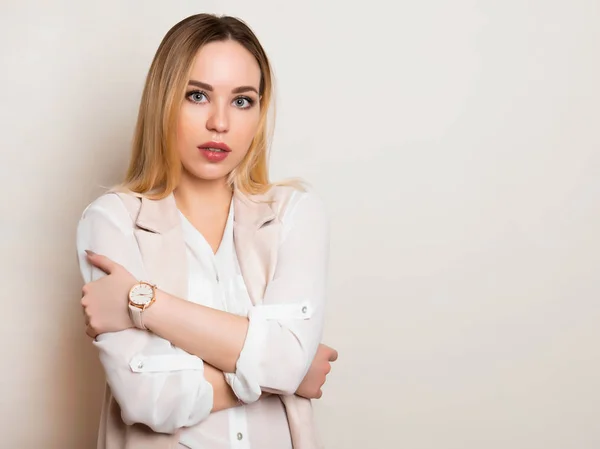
[(154, 382), (272, 349)]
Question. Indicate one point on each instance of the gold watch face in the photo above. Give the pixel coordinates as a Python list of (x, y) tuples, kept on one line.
[(141, 294)]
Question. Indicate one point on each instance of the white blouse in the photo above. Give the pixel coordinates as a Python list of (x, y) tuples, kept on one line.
[(215, 280)]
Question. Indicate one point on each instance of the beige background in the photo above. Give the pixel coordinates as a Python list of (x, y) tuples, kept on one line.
[(456, 143)]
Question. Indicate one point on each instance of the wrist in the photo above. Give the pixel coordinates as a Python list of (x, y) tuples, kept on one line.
[(152, 314), (142, 296)]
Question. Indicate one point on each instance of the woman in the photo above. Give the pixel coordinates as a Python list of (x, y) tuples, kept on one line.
[(204, 281)]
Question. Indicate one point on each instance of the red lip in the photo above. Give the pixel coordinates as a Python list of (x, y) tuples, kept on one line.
[(218, 145)]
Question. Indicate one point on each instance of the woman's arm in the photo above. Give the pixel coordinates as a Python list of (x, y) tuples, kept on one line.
[(219, 336), (223, 396), (273, 348), (154, 383)]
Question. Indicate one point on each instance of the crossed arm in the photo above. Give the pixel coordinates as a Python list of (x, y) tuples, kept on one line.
[(176, 371)]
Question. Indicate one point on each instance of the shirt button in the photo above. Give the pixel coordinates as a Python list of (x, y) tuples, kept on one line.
[(304, 309), (140, 365), (240, 436)]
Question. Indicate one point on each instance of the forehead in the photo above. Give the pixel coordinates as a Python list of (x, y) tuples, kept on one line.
[(225, 64)]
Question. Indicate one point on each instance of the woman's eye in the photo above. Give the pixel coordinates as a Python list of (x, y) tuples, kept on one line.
[(242, 102), (197, 97)]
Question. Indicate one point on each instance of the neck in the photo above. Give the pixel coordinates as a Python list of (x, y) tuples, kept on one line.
[(196, 195)]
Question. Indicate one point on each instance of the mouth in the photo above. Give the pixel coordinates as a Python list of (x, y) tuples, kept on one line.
[(214, 151), (215, 147)]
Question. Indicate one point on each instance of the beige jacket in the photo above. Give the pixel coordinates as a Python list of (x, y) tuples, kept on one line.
[(157, 229)]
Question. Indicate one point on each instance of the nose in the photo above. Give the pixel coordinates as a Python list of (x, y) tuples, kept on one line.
[(218, 120)]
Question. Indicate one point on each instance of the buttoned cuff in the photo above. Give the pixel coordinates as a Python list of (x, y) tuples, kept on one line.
[(246, 382)]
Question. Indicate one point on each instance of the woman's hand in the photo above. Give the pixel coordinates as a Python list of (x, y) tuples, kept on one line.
[(105, 301), (317, 373)]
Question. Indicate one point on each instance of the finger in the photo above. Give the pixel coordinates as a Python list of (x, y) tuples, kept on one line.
[(333, 355), (91, 332), (102, 262)]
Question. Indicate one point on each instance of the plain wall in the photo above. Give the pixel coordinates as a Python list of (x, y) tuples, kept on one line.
[(456, 145)]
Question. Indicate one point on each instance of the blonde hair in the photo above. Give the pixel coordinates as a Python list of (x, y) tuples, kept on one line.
[(155, 168)]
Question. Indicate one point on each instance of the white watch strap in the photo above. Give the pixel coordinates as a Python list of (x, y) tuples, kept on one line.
[(136, 317)]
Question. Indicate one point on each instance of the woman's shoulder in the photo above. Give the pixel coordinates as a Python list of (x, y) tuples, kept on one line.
[(109, 206), (288, 201)]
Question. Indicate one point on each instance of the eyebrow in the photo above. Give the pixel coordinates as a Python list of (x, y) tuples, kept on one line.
[(208, 87)]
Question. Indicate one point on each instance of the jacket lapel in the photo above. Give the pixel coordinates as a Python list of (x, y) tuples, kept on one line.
[(159, 236), (255, 230)]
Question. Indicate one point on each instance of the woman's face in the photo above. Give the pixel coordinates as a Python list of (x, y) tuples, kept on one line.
[(220, 113)]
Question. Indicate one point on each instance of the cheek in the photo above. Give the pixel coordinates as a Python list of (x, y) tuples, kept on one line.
[(248, 128), (184, 126), (187, 132)]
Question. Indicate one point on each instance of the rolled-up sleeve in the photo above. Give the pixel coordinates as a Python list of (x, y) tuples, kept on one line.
[(153, 382), (286, 329)]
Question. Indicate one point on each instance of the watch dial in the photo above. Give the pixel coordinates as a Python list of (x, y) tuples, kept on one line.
[(142, 294)]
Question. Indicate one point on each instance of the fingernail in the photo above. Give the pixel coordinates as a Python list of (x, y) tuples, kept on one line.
[(90, 252)]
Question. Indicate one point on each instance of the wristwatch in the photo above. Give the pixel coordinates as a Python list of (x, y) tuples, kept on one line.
[(141, 296)]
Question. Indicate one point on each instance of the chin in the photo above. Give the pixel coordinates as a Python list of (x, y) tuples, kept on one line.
[(212, 177), (209, 173)]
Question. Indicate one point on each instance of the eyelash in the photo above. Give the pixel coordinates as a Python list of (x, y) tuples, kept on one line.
[(196, 92)]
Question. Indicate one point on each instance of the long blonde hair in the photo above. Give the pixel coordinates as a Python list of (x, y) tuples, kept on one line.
[(155, 169)]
